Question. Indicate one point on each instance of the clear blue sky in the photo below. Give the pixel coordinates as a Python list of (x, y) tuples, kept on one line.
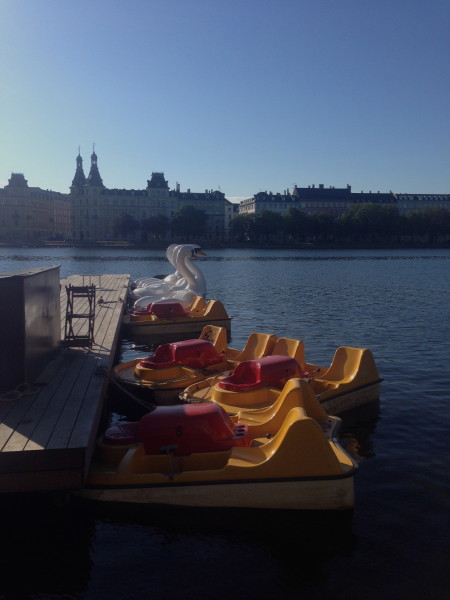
[(237, 95)]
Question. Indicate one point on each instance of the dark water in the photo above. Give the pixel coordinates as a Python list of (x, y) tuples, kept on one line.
[(394, 545)]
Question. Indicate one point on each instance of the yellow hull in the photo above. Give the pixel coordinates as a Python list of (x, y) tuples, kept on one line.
[(293, 462), (201, 313), (161, 386), (332, 494), (183, 325)]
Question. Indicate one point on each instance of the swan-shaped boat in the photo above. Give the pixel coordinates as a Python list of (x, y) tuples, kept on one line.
[(197, 455), (352, 379), (161, 377), (171, 318), (174, 278), (192, 282)]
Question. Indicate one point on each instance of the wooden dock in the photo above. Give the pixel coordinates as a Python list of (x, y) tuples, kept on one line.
[(48, 429)]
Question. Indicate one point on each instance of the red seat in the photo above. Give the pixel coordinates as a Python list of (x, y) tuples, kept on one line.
[(271, 371), (186, 428), (181, 429), (164, 309), (167, 309), (195, 353)]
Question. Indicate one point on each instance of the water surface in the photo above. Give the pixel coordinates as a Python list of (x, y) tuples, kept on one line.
[(394, 545)]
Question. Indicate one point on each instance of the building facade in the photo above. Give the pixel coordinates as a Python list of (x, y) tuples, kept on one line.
[(91, 211), (407, 203), (313, 200), (31, 214), (97, 208)]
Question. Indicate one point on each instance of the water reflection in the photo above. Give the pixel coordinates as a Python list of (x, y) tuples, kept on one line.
[(45, 548), (358, 429), (220, 553)]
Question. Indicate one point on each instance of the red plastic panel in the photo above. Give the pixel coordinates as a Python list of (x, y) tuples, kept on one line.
[(187, 428), (164, 309), (167, 309), (195, 353), (271, 371)]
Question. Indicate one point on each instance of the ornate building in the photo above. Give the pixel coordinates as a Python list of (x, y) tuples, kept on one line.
[(97, 208), (31, 214), (91, 212)]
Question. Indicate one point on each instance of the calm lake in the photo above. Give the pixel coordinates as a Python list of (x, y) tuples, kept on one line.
[(394, 545)]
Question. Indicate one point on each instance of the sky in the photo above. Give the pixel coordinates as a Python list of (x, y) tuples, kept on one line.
[(240, 96)]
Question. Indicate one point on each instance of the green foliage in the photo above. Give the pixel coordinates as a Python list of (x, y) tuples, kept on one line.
[(189, 222), (124, 225), (157, 226), (268, 224), (362, 223), (242, 228)]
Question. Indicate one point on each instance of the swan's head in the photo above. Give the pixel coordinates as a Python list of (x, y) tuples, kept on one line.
[(196, 251)]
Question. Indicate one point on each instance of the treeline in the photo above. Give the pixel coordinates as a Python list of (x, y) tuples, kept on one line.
[(361, 224), (187, 223)]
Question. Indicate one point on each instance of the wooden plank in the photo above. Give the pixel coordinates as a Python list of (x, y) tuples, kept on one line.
[(29, 412), (67, 391), (38, 460), (39, 481)]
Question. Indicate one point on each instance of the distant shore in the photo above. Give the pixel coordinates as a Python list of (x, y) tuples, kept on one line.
[(228, 245)]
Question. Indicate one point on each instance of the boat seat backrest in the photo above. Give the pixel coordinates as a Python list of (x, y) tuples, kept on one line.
[(345, 364), (216, 335), (257, 346), (266, 451), (198, 305), (289, 347), (299, 436), (295, 393), (215, 310)]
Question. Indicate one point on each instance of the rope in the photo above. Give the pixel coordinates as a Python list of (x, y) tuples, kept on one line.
[(23, 389), (147, 405), (188, 397)]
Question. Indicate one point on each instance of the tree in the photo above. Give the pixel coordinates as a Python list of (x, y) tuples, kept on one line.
[(157, 226), (240, 227), (430, 224), (124, 225), (189, 222), (370, 221), (296, 224), (322, 227), (268, 224)]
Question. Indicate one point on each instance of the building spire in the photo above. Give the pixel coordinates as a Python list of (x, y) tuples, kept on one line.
[(79, 180), (94, 175)]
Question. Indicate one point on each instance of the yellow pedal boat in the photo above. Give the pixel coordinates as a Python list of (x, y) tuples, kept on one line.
[(198, 456), (160, 378), (169, 317), (351, 380)]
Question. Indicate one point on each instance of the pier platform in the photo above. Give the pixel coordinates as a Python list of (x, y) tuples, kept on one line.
[(48, 429)]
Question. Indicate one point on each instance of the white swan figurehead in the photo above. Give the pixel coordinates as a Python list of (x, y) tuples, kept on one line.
[(172, 279), (193, 282)]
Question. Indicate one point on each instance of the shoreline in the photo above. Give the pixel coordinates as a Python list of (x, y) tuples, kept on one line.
[(238, 246)]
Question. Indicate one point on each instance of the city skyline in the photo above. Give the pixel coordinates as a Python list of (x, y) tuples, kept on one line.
[(241, 97)]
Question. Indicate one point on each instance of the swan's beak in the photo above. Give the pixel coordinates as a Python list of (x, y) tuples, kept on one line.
[(200, 252)]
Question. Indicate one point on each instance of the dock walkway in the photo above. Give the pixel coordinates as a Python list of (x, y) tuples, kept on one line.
[(48, 432)]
